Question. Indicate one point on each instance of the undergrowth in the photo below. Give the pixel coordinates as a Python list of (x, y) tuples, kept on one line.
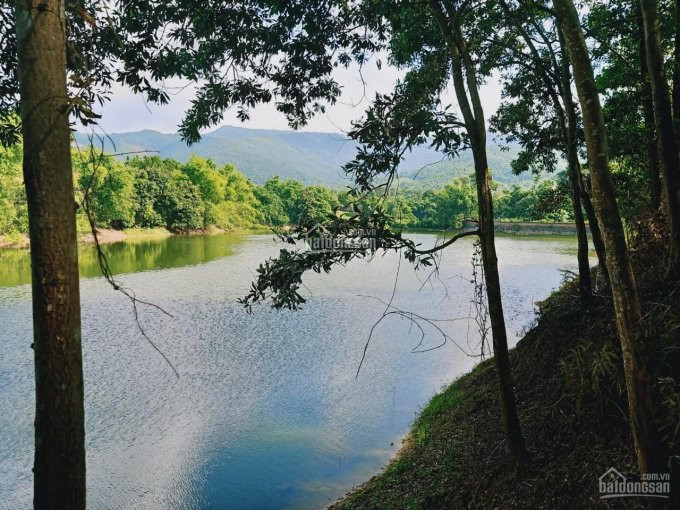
[(572, 404)]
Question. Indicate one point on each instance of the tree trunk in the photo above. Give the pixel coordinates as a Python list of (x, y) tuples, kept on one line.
[(463, 71), (568, 120), (513, 429), (59, 468), (572, 157), (556, 87), (585, 283), (639, 382), (595, 231), (665, 132), (676, 71), (648, 112)]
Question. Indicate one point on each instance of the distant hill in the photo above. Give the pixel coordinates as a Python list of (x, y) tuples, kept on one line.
[(311, 158), (436, 175)]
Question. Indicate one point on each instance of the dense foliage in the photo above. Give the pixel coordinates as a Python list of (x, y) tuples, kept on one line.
[(151, 192)]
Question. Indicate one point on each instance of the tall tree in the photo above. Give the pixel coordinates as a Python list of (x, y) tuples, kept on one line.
[(636, 351), (467, 93), (617, 33), (540, 114), (56, 61), (575, 177), (59, 467), (648, 111), (40, 41), (665, 132), (676, 69)]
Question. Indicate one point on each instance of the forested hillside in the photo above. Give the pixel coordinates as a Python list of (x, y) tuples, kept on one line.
[(311, 158)]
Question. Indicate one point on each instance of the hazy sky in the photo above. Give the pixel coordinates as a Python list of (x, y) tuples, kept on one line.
[(129, 112)]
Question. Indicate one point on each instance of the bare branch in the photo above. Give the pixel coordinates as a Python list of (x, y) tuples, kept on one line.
[(449, 242)]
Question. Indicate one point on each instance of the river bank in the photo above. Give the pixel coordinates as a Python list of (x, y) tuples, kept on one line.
[(572, 406), (104, 235), (109, 235)]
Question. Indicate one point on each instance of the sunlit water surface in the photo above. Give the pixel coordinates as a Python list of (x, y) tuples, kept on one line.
[(267, 412)]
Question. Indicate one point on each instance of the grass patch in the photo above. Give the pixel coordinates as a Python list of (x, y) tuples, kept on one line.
[(436, 409)]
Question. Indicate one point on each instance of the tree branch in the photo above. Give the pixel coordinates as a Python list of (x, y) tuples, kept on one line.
[(455, 238)]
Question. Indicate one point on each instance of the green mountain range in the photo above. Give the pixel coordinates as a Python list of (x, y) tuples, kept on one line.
[(311, 158)]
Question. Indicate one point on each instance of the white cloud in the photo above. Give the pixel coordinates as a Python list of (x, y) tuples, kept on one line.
[(129, 112)]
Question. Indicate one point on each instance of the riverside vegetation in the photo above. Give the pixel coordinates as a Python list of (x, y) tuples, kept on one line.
[(150, 192)]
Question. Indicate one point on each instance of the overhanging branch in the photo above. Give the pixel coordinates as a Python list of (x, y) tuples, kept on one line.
[(448, 243)]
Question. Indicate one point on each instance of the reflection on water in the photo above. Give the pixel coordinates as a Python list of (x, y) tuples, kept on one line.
[(129, 256), (267, 412)]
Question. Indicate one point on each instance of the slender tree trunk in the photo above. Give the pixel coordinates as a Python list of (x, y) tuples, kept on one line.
[(648, 112), (572, 157), (639, 381), (568, 121), (595, 231), (513, 429), (464, 74), (585, 283), (676, 71), (59, 468), (574, 170), (556, 88), (663, 116)]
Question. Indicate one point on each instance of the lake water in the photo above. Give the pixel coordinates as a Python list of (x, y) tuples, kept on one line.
[(267, 412)]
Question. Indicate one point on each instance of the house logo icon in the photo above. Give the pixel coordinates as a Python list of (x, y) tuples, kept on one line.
[(610, 479), (613, 484), (316, 230), (318, 238)]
